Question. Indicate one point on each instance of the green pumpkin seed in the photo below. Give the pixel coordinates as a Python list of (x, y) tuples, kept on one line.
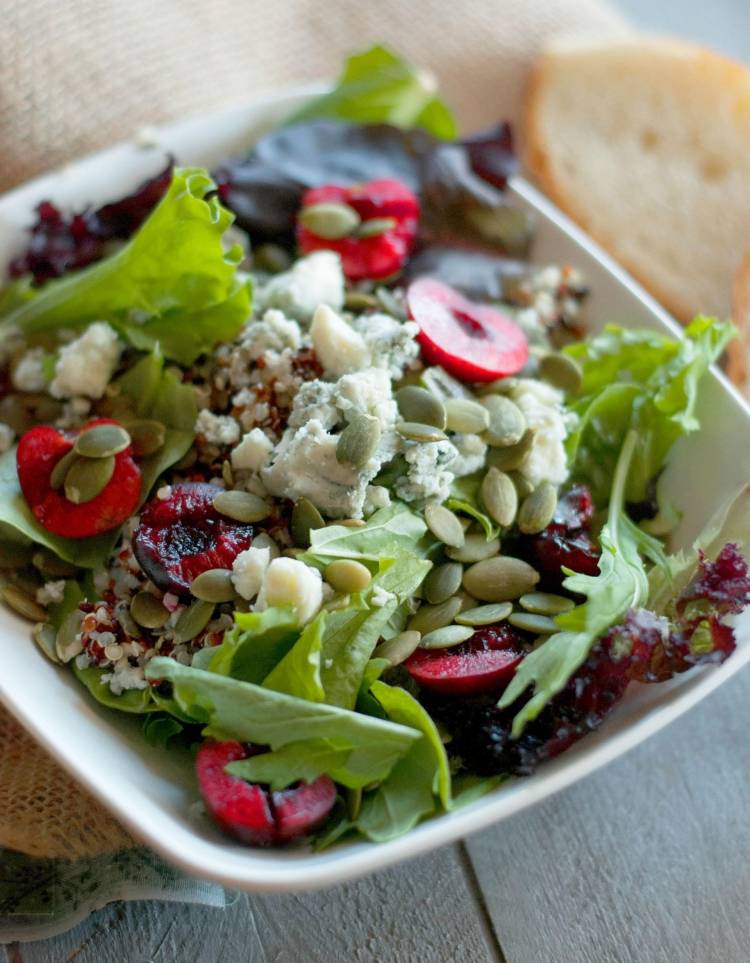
[(475, 548), (57, 478), (446, 637), (419, 405), (442, 582), (507, 459), (45, 635), (213, 585), (329, 220), (23, 603), (524, 487), (431, 617), (68, 643), (28, 580), (375, 226), (264, 540), (272, 258), (466, 416), (546, 603), (537, 509), (147, 436), (444, 386), (507, 422), (485, 614), (147, 610), (348, 522), (360, 301), (499, 496), (227, 474), (413, 431), (399, 648), (501, 386), (305, 519), (88, 477), (390, 303), (15, 554), (242, 506), (562, 372), (101, 441), (529, 622), (444, 525), (346, 575), (358, 441), (467, 601), (50, 565), (193, 620), (500, 579)]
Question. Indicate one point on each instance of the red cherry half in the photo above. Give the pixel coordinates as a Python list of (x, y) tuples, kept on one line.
[(473, 342)]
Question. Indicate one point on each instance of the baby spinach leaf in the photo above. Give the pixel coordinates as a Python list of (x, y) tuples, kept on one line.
[(391, 531), (159, 729), (135, 701)]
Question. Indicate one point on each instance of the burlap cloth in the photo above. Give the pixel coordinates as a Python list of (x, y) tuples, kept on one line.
[(77, 75)]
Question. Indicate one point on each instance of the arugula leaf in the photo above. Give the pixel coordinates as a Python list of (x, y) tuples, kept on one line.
[(172, 284), (377, 86), (389, 532), (464, 497), (620, 585), (254, 647), (298, 672), (640, 380)]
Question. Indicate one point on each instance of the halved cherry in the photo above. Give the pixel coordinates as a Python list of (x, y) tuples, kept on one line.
[(39, 450), (483, 663), (182, 535), (473, 342), (362, 257), (250, 812)]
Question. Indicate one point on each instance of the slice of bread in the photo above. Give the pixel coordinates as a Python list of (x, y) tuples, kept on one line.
[(738, 351), (646, 144)]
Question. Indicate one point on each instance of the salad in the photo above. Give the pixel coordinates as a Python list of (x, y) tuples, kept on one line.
[(305, 463)]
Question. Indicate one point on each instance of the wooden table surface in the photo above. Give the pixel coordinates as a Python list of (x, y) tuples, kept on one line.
[(643, 862)]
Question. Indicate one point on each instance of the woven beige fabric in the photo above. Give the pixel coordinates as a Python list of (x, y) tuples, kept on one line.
[(77, 75)]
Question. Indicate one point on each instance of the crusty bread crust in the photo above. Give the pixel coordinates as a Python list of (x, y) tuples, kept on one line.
[(738, 349)]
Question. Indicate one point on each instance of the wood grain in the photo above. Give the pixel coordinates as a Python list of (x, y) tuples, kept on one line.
[(421, 911), (644, 862)]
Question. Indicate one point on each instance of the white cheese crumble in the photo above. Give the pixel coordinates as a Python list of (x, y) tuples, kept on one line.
[(253, 452), (391, 343), (217, 429), (471, 453), (28, 373), (85, 366), (312, 280), (273, 332), (287, 581), (428, 475), (7, 436), (543, 407), (338, 347), (51, 592), (248, 570)]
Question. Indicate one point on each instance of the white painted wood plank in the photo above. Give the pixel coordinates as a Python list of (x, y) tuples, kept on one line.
[(647, 861)]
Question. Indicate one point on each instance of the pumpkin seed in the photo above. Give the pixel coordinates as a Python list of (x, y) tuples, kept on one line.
[(466, 416), (305, 518), (546, 603), (444, 525), (68, 642), (227, 474), (242, 506), (446, 637), (348, 522), (562, 372), (213, 585), (101, 441), (15, 554), (476, 547), (375, 226), (272, 258), (538, 508), (390, 303), (329, 220), (507, 459), (264, 540), (360, 301), (57, 478), (193, 620), (501, 386), (147, 436), (499, 496), (507, 422), (530, 622), (88, 477), (126, 620), (443, 385), (431, 617), (44, 635), (147, 610), (399, 648), (49, 564), (28, 580), (467, 601), (417, 404), (524, 487), (23, 603), (485, 614), (413, 431), (442, 582), (358, 441), (346, 575), (500, 579)]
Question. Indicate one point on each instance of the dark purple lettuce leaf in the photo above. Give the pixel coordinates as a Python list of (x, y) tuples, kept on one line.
[(479, 274), (492, 155)]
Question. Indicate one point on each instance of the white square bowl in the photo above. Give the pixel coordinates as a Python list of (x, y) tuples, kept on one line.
[(152, 791)]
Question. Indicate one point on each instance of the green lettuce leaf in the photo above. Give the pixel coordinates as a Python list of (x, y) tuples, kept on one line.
[(159, 729), (298, 672), (134, 701), (389, 532), (305, 760), (377, 86), (172, 285), (254, 647)]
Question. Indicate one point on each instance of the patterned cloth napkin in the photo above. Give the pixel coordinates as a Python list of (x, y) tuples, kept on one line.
[(80, 75)]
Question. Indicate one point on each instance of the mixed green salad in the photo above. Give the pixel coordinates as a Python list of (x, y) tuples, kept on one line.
[(306, 463)]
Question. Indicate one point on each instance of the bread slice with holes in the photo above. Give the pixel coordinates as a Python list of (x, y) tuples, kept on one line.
[(646, 144), (738, 351)]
